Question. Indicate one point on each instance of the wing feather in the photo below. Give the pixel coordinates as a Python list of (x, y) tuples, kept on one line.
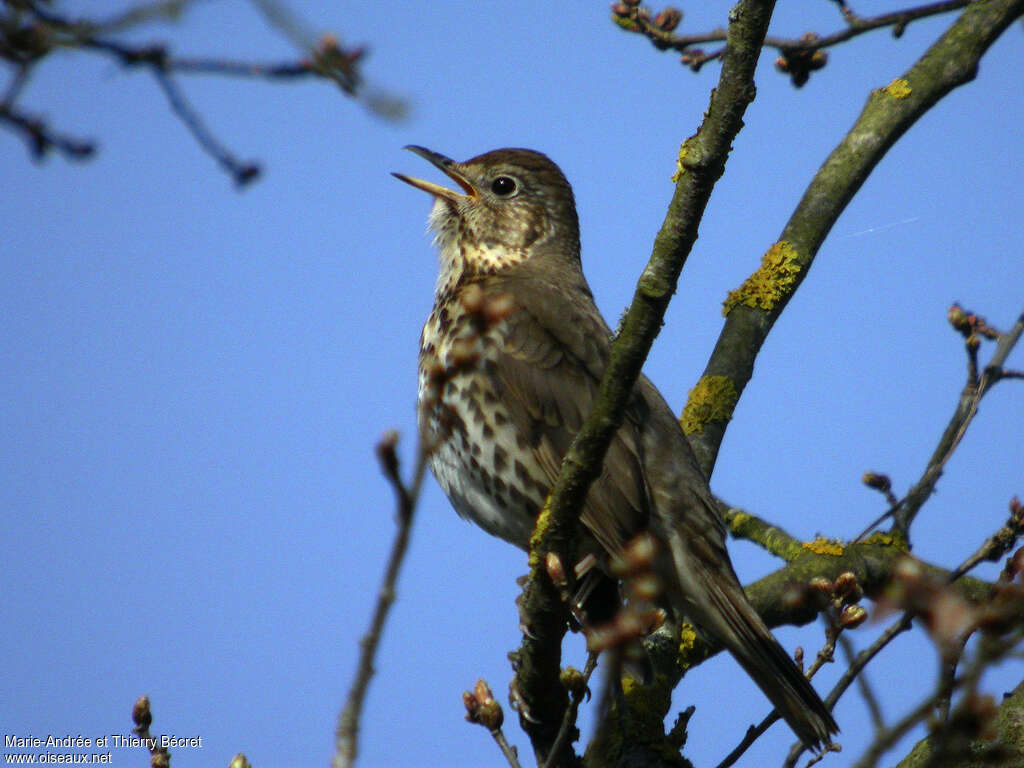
[(548, 373)]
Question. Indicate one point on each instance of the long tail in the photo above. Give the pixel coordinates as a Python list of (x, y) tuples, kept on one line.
[(775, 673), (685, 517), (737, 625), (713, 598)]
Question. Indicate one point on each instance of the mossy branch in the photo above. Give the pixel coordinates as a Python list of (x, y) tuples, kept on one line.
[(1009, 734), (701, 163), (890, 111), (744, 525), (780, 599)]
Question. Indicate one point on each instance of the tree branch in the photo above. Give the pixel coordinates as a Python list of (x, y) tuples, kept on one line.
[(903, 511), (783, 598), (920, 589), (833, 633), (968, 721), (483, 709), (1007, 720), (867, 693), (347, 732), (798, 55), (744, 525), (967, 407), (142, 716), (42, 139), (751, 310), (30, 30), (701, 162)]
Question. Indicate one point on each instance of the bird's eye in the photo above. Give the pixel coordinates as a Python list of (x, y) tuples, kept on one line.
[(504, 186)]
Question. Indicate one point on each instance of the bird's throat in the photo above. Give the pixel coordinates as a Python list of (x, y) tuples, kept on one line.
[(462, 259)]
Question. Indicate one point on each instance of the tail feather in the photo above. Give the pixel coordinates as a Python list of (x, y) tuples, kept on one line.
[(685, 517), (752, 644), (713, 598)]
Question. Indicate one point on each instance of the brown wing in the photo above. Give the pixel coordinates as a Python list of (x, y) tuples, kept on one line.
[(556, 347), (555, 350)]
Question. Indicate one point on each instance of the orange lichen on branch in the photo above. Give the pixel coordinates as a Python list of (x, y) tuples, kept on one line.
[(713, 399), (823, 546), (773, 280), (898, 89)]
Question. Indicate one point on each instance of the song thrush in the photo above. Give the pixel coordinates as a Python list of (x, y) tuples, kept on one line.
[(500, 402)]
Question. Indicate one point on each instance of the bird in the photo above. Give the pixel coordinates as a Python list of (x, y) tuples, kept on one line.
[(510, 361)]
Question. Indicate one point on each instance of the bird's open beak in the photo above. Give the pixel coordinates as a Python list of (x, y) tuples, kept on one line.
[(449, 167)]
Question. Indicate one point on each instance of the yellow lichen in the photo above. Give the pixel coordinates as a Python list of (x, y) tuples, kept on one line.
[(898, 89), (687, 641), (630, 686), (774, 279), (647, 706), (713, 399), (888, 540), (823, 546), (680, 168), (539, 528), (738, 520)]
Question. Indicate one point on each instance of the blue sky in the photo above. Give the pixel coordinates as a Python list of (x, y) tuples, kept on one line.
[(194, 378)]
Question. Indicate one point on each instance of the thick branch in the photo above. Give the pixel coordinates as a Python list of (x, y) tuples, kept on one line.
[(777, 596), (744, 525), (753, 309), (781, 598), (701, 162), (1010, 734)]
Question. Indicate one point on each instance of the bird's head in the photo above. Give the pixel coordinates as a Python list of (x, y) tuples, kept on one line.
[(512, 205)]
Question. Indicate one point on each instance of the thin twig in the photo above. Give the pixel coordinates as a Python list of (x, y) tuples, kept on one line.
[(41, 139), (986, 655), (281, 70), (753, 733), (328, 58), (569, 719), (906, 509), (482, 709), (634, 19), (966, 410), (14, 88), (155, 58), (144, 13), (242, 172), (861, 661), (991, 545), (866, 692), (947, 676), (142, 716), (506, 749), (289, 24), (347, 733), (998, 544), (324, 58), (887, 738)]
